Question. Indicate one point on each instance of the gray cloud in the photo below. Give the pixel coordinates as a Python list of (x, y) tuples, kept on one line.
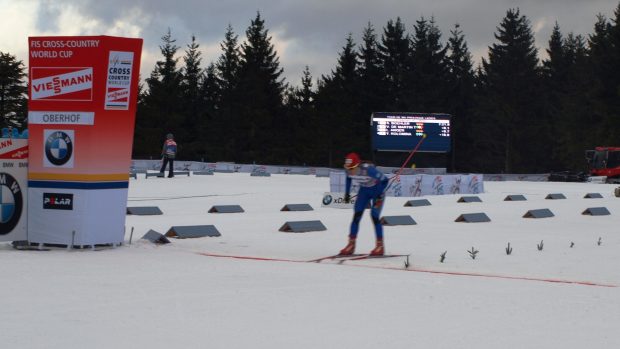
[(316, 30), (50, 14)]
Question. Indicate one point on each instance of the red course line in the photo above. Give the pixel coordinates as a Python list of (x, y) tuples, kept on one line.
[(455, 273), (251, 258)]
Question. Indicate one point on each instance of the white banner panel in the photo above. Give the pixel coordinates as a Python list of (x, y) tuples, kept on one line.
[(61, 117), (418, 185), (13, 189), (79, 211)]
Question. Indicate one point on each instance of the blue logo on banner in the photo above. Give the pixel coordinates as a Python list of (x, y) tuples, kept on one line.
[(327, 199), (10, 203), (58, 148)]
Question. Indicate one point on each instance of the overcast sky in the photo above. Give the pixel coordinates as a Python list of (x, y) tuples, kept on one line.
[(304, 32)]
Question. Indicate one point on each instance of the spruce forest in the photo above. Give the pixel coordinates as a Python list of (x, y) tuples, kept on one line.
[(515, 112)]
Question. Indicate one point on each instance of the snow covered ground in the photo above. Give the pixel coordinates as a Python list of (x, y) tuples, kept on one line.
[(174, 296)]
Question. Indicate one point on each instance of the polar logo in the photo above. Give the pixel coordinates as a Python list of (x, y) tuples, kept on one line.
[(11, 202), (57, 201), (59, 148)]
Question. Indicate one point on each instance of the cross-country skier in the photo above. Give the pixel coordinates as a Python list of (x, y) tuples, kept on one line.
[(372, 190)]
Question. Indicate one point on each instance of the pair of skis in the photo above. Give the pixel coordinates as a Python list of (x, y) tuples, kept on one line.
[(356, 257)]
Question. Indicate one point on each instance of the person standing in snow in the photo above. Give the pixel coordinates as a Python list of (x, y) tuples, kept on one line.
[(373, 184), (168, 153)]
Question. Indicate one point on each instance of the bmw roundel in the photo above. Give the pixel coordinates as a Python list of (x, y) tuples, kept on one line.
[(59, 147), (327, 199), (11, 202)]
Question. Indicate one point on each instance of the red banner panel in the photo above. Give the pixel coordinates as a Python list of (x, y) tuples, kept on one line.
[(81, 115)]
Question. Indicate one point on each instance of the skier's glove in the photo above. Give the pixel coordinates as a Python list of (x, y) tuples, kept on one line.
[(347, 198)]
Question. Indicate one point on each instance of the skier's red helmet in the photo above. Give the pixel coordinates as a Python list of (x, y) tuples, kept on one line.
[(351, 161)]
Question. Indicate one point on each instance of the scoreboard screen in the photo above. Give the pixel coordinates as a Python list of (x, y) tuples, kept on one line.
[(403, 131)]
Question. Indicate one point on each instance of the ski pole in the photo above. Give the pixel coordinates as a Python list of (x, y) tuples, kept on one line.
[(400, 170)]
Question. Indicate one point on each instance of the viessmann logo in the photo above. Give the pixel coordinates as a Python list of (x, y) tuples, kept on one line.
[(57, 201), (74, 84)]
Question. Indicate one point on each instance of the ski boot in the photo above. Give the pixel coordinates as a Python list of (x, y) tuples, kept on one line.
[(378, 250), (349, 248)]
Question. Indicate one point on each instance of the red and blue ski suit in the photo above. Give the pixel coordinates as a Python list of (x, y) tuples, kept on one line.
[(372, 190)]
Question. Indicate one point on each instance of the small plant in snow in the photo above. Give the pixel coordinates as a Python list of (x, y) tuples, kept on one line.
[(473, 252), (600, 241), (508, 249), (540, 245), (442, 257)]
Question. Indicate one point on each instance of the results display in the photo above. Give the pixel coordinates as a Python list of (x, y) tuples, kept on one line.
[(403, 131)]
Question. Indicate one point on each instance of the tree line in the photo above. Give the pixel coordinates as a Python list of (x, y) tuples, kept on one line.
[(512, 113)]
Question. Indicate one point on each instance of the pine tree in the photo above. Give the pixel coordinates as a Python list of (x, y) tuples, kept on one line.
[(209, 128), (604, 55), (565, 101), (574, 124), (338, 106), (302, 97), (460, 90), (394, 53), (613, 118), (426, 90), (13, 91), (228, 63), (600, 45), (346, 69), (511, 128), (346, 80), (193, 107), (555, 73), (210, 89), (226, 80), (306, 93), (192, 72), (259, 96), (371, 76), (306, 129), (555, 67), (160, 111)]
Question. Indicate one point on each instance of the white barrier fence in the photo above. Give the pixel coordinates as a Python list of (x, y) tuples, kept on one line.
[(155, 165), (411, 183), (419, 185)]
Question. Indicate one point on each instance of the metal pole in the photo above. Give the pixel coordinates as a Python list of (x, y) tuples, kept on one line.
[(69, 247), (405, 163)]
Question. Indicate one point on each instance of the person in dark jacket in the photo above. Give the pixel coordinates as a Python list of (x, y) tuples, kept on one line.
[(168, 153)]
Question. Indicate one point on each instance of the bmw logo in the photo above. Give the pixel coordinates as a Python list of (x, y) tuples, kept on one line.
[(10, 203), (327, 199), (58, 148)]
